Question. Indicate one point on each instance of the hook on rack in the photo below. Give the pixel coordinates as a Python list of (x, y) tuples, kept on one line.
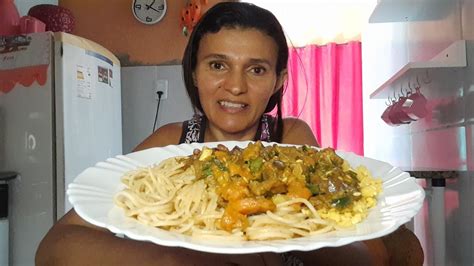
[(428, 79), (390, 101), (418, 83), (409, 85), (401, 93)]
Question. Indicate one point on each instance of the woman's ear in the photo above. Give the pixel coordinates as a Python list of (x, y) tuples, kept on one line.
[(281, 79), (194, 79)]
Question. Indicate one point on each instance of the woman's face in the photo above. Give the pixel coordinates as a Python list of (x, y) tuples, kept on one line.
[(236, 76)]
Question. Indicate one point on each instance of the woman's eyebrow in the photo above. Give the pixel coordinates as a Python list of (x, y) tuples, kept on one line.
[(260, 61), (224, 57), (216, 56)]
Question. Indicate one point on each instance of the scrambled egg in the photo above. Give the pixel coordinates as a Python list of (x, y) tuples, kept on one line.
[(369, 189)]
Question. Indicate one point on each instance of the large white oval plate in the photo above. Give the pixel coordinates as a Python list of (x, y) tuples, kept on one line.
[(92, 194)]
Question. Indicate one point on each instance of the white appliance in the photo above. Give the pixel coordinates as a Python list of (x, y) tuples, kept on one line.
[(60, 112)]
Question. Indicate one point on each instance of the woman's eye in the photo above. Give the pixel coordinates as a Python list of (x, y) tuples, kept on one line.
[(258, 70), (217, 65)]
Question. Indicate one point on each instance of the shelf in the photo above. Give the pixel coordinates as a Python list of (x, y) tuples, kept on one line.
[(410, 10), (453, 56)]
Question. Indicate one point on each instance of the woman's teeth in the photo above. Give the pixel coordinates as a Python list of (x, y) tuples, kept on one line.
[(231, 105)]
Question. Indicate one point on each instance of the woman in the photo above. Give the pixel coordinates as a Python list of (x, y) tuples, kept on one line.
[(234, 70)]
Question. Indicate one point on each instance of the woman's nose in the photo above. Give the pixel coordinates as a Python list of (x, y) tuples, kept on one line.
[(236, 83)]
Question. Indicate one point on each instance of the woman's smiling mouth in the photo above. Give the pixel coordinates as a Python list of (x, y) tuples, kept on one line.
[(232, 106)]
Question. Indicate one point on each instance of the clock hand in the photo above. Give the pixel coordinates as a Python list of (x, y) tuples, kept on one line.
[(150, 5), (160, 8)]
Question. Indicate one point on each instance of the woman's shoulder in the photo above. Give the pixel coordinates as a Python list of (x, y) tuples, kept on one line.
[(168, 134), (297, 131)]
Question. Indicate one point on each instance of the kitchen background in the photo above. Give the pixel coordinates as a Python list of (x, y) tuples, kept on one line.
[(424, 39), (405, 43)]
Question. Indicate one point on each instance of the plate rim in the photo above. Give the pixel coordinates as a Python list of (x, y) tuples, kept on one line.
[(245, 247)]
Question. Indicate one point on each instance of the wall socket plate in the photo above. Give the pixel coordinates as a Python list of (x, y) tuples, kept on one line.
[(161, 85)]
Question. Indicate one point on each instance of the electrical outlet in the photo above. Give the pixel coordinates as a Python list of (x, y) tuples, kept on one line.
[(161, 85)]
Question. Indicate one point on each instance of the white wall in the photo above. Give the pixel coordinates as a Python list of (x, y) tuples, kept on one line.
[(139, 101)]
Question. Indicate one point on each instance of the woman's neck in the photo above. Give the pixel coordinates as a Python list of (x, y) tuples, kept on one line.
[(215, 134)]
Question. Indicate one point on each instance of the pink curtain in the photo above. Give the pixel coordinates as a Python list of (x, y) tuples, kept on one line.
[(325, 90)]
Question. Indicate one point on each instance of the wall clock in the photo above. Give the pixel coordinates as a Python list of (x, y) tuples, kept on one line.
[(149, 11)]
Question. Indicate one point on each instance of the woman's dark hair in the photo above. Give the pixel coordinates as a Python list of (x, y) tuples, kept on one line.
[(235, 15)]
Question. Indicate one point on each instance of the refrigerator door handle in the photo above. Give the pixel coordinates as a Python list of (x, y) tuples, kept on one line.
[(7, 175)]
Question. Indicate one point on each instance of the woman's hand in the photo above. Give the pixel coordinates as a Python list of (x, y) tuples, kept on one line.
[(73, 241)]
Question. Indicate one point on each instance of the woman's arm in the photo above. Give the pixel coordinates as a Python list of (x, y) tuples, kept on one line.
[(370, 252), (166, 135), (296, 131), (73, 241)]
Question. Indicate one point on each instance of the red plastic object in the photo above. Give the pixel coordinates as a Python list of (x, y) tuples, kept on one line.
[(406, 109), (398, 115), (30, 24), (386, 115), (9, 18), (417, 109), (56, 18)]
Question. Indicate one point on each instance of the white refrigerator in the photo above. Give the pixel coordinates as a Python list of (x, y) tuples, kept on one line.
[(60, 112)]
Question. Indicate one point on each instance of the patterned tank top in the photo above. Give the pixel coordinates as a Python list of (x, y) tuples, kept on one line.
[(193, 129)]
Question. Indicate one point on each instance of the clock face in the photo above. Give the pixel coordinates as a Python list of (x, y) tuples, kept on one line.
[(149, 11)]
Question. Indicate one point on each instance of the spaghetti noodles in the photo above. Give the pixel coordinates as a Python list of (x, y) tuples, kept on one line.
[(256, 193)]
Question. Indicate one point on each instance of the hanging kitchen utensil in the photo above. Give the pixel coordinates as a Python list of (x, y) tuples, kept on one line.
[(416, 106), (386, 114), (397, 115)]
